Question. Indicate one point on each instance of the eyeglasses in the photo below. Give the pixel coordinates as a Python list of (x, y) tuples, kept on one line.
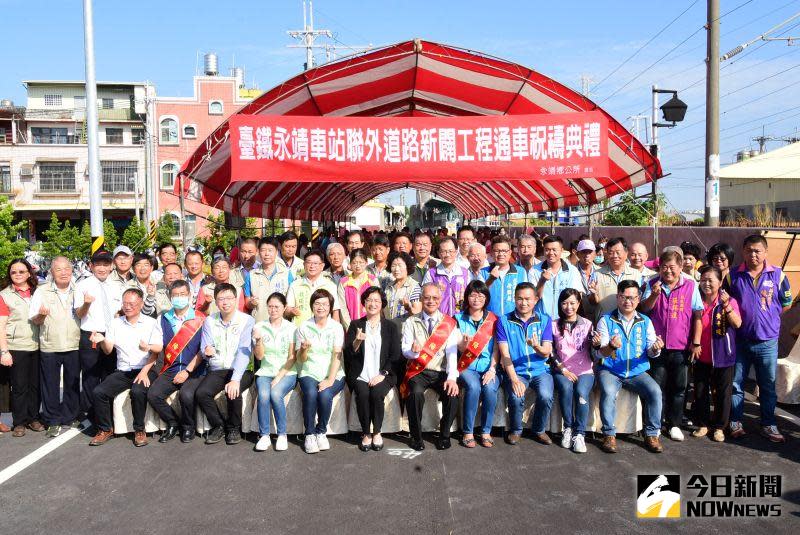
[(628, 298), (502, 251)]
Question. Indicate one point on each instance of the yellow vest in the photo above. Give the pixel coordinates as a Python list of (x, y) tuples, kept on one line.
[(61, 328), (21, 333)]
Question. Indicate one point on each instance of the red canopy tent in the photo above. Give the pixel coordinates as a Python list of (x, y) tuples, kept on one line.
[(413, 79)]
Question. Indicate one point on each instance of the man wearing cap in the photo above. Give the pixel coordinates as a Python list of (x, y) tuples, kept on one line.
[(97, 300), (136, 339), (123, 262)]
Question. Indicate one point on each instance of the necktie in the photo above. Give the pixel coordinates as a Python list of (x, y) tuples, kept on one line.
[(430, 326)]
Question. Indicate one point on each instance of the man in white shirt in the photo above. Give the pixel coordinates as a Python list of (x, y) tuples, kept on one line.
[(440, 372), (97, 300), (137, 340), (465, 237)]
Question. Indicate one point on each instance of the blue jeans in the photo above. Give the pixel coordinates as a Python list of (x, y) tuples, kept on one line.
[(273, 397), (543, 386), (648, 391), (763, 356), (474, 391), (317, 405), (574, 401)]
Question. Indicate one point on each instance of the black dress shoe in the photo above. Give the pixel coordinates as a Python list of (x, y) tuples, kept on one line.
[(168, 434), (215, 435), (187, 435), (443, 444), (364, 447), (377, 447), (233, 437), (417, 445)]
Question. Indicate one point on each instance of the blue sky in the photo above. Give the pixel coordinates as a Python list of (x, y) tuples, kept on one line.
[(159, 41)]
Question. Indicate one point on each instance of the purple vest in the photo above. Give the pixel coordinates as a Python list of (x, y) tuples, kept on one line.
[(723, 339), (452, 288), (672, 314)]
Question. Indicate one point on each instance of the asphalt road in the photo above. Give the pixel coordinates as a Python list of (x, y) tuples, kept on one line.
[(529, 488)]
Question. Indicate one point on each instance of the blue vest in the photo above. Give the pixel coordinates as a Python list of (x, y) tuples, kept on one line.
[(631, 359), (501, 292), (527, 362)]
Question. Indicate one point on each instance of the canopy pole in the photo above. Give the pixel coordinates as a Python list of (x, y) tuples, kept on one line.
[(590, 221)]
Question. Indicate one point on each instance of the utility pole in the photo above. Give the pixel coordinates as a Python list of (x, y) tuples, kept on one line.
[(95, 199), (308, 35), (712, 115), (654, 152)]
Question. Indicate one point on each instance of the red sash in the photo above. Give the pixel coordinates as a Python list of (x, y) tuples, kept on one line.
[(181, 339), (432, 346), (478, 343)]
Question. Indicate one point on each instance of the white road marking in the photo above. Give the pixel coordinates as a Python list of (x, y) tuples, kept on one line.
[(28, 460)]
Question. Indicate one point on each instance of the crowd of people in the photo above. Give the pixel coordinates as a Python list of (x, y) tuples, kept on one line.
[(377, 311)]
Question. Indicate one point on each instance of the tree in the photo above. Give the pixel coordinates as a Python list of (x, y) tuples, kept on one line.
[(64, 240), (11, 244), (632, 212), (218, 234), (136, 236), (165, 230), (110, 234)]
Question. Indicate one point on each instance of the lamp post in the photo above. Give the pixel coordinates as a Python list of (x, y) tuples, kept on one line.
[(674, 111)]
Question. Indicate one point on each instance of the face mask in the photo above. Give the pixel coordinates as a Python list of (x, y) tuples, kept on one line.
[(180, 302), (598, 260)]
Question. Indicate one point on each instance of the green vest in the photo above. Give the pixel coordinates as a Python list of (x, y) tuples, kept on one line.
[(21, 333), (319, 355), (276, 347), (61, 328)]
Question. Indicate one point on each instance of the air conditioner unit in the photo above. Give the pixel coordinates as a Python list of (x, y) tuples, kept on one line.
[(26, 170)]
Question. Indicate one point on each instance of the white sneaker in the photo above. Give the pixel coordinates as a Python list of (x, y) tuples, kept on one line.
[(281, 444), (322, 442), (676, 434), (566, 438), (579, 444), (263, 443), (311, 445)]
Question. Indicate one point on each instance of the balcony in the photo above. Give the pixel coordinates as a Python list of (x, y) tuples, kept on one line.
[(117, 114), (79, 114)]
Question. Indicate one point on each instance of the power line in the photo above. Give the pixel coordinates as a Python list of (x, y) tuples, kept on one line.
[(662, 30), (670, 51)]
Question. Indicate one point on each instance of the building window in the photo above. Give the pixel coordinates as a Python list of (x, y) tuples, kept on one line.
[(119, 177), (52, 136), (113, 136), (57, 177), (168, 172), (52, 100), (4, 137), (190, 131), (215, 107), (107, 103), (80, 102), (137, 136), (5, 178), (169, 130)]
